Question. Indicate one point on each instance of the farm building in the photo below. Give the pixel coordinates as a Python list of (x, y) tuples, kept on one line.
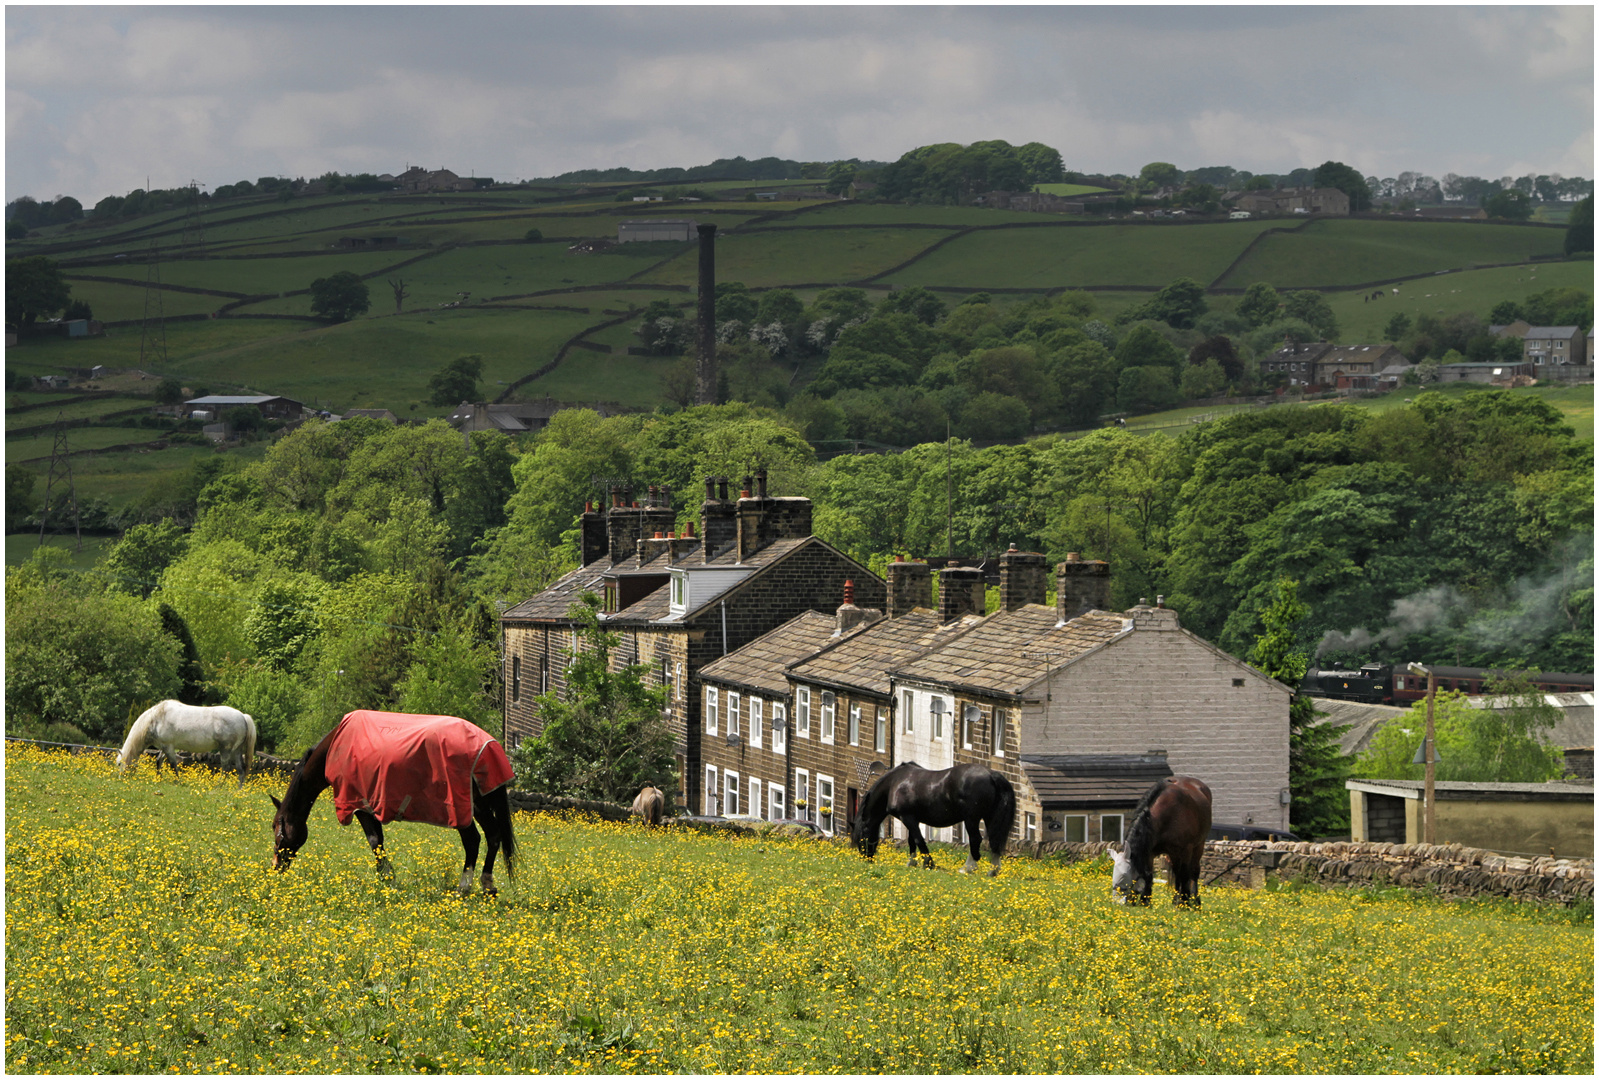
[(680, 601), (1554, 346), (1344, 367), (511, 417), (628, 232), (272, 407), (1301, 200), (1516, 819)]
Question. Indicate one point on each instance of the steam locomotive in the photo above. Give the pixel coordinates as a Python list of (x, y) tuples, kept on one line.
[(1384, 684)]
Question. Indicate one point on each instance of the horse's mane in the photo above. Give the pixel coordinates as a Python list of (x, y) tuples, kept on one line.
[(138, 734), (1140, 835)]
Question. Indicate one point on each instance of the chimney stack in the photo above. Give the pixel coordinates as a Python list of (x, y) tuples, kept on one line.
[(718, 517), (961, 591), (910, 585), (705, 370), (1081, 585), (594, 541), (1023, 578)]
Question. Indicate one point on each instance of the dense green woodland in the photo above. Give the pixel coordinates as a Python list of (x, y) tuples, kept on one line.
[(362, 565)]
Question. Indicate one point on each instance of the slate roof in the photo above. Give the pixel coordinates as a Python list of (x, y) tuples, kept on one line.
[(1093, 781), (862, 659), (1009, 651), (552, 602), (759, 665)]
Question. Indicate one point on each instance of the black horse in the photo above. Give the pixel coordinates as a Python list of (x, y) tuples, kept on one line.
[(1172, 819), (969, 795)]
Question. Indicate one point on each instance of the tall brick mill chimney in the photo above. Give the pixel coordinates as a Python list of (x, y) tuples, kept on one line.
[(705, 369)]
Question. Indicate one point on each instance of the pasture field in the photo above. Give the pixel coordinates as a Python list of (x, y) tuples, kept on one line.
[(792, 257), (75, 409), (1075, 255), (33, 447), (1476, 291), (146, 933), (851, 213), (250, 277), (1068, 190), (1350, 252), (116, 303), (20, 548)]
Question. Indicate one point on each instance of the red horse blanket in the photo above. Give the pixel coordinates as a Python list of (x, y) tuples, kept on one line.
[(404, 767)]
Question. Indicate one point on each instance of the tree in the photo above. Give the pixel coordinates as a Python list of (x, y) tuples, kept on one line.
[(605, 734), (169, 391), (21, 483), (1397, 327), (190, 670), (339, 297), (400, 292), (1159, 174), (1259, 305), (840, 174), (1579, 228), (1042, 163), (1335, 174), (1220, 349), (533, 236), (452, 675), (1178, 305), (924, 306), (456, 381), (35, 290), (1508, 204), (1317, 767), (1311, 307), (135, 565), (1487, 745)]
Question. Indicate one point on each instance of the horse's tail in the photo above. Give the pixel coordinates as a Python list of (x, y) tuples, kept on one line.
[(1002, 817), (502, 810), (249, 746), (138, 734)]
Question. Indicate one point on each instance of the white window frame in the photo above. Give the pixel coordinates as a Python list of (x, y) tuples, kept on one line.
[(854, 723), (971, 720), (730, 793), (1119, 819), (829, 715), (936, 708), (732, 712), (756, 719), (755, 797), (802, 793), (880, 734), (998, 740), (827, 800), (1081, 821), (779, 728), (802, 713), (775, 802), (712, 794), (907, 705), (710, 710), (1030, 827)]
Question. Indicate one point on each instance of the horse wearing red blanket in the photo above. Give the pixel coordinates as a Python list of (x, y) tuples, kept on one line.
[(386, 767)]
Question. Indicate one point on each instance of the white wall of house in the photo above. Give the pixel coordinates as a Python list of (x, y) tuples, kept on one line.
[(922, 744), (1161, 688)]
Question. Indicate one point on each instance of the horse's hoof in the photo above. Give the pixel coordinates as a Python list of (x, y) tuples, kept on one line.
[(491, 891)]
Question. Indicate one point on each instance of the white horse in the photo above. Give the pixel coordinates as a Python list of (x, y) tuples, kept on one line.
[(174, 726)]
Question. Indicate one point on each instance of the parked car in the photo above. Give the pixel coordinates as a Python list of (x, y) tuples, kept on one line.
[(1249, 832)]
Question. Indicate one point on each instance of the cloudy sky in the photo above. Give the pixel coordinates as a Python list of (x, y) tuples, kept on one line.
[(98, 99)]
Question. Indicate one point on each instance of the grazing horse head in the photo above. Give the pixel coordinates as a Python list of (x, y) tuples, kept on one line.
[(1125, 882), (288, 823), (1172, 819)]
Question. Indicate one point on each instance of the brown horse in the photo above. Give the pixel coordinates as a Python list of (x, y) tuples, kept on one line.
[(385, 767), (650, 803), (1172, 819)]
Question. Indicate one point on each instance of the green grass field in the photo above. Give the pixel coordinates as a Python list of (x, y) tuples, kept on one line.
[(35, 447), (780, 258), (1070, 256), (1068, 190), (255, 276), (1349, 252), (1476, 291), (145, 932), (116, 303), (851, 213), (21, 546), (76, 409)]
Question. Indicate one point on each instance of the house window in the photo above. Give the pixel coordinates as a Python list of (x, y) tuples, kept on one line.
[(710, 790), (779, 729), (827, 716), (907, 702), (710, 710), (774, 802), (854, 725), (824, 801), (1076, 828), (729, 793), (802, 795), (1030, 828), (756, 708), (678, 582), (802, 715), (516, 678), (1110, 827), (732, 713), (999, 732), (971, 720), (938, 718), (755, 798), (880, 741)]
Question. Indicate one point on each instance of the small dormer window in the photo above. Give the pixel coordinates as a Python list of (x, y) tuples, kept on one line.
[(679, 593)]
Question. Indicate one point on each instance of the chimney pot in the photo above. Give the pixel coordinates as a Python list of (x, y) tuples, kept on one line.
[(659, 535), (849, 591)]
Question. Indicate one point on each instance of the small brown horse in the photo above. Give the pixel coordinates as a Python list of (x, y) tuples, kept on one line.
[(440, 770), (1172, 819), (649, 805)]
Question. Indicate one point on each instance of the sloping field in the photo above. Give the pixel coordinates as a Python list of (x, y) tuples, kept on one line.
[(850, 213), (250, 276), (78, 439), (1476, 291), (1077, 255), (112, 303), (1349, 252), (76, 409), (766, 259), (386, 362)]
